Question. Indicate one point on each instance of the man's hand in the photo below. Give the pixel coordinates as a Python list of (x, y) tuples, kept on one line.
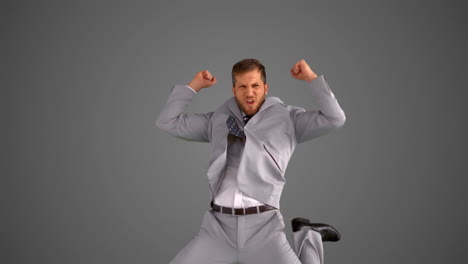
[(202, 79), (302, 71)]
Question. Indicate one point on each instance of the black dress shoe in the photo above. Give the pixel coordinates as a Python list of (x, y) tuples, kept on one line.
[(327, 232)]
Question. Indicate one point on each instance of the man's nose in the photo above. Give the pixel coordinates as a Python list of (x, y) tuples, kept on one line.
[(249, 91)]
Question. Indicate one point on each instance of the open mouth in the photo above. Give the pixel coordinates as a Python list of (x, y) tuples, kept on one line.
[(250, 101)]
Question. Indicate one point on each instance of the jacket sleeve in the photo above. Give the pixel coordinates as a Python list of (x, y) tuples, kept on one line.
[(173, 120), (312, 124)]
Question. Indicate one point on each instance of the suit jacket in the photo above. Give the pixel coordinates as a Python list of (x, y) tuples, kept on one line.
[(271, 135)]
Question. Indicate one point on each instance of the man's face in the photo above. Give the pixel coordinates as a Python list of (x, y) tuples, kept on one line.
[(249, 91)]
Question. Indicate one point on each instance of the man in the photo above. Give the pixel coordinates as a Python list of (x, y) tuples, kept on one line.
[(253, 137)]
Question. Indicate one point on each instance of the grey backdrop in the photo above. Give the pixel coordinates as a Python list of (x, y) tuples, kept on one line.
[(86, 176)]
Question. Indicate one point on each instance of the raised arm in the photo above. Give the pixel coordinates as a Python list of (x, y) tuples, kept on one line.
[(312, 124), (174, 120)]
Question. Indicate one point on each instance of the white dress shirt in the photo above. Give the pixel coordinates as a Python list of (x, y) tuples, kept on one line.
[(229, 194)]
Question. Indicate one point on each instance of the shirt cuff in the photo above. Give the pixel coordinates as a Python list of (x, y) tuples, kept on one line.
[(191, 88)]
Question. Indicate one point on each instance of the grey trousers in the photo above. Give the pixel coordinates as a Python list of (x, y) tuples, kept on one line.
[(249, 239)]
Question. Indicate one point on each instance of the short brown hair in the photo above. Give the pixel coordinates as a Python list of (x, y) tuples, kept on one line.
[(247, 65)]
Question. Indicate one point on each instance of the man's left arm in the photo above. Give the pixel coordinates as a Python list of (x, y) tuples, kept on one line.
[(312, 124)]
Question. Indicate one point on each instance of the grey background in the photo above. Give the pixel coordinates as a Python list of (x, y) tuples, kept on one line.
[(86, 177)]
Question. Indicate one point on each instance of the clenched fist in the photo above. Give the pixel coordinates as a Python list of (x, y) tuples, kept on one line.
[(202, 79), (302, 71)]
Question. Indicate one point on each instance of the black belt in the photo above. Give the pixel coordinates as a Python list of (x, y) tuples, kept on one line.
[(241, 211)]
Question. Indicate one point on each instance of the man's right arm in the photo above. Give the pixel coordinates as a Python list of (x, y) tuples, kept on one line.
[(174, 120)]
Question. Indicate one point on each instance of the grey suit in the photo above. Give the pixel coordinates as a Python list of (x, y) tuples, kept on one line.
[(272, 135)]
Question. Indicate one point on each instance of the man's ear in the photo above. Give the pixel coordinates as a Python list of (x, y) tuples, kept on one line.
[(266, 88), (233, 90)]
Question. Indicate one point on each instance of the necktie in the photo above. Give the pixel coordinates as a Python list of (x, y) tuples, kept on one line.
[(247, 118), (234, 128)]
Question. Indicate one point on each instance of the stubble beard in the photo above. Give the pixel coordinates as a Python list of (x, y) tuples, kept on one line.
[(241, 106)]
